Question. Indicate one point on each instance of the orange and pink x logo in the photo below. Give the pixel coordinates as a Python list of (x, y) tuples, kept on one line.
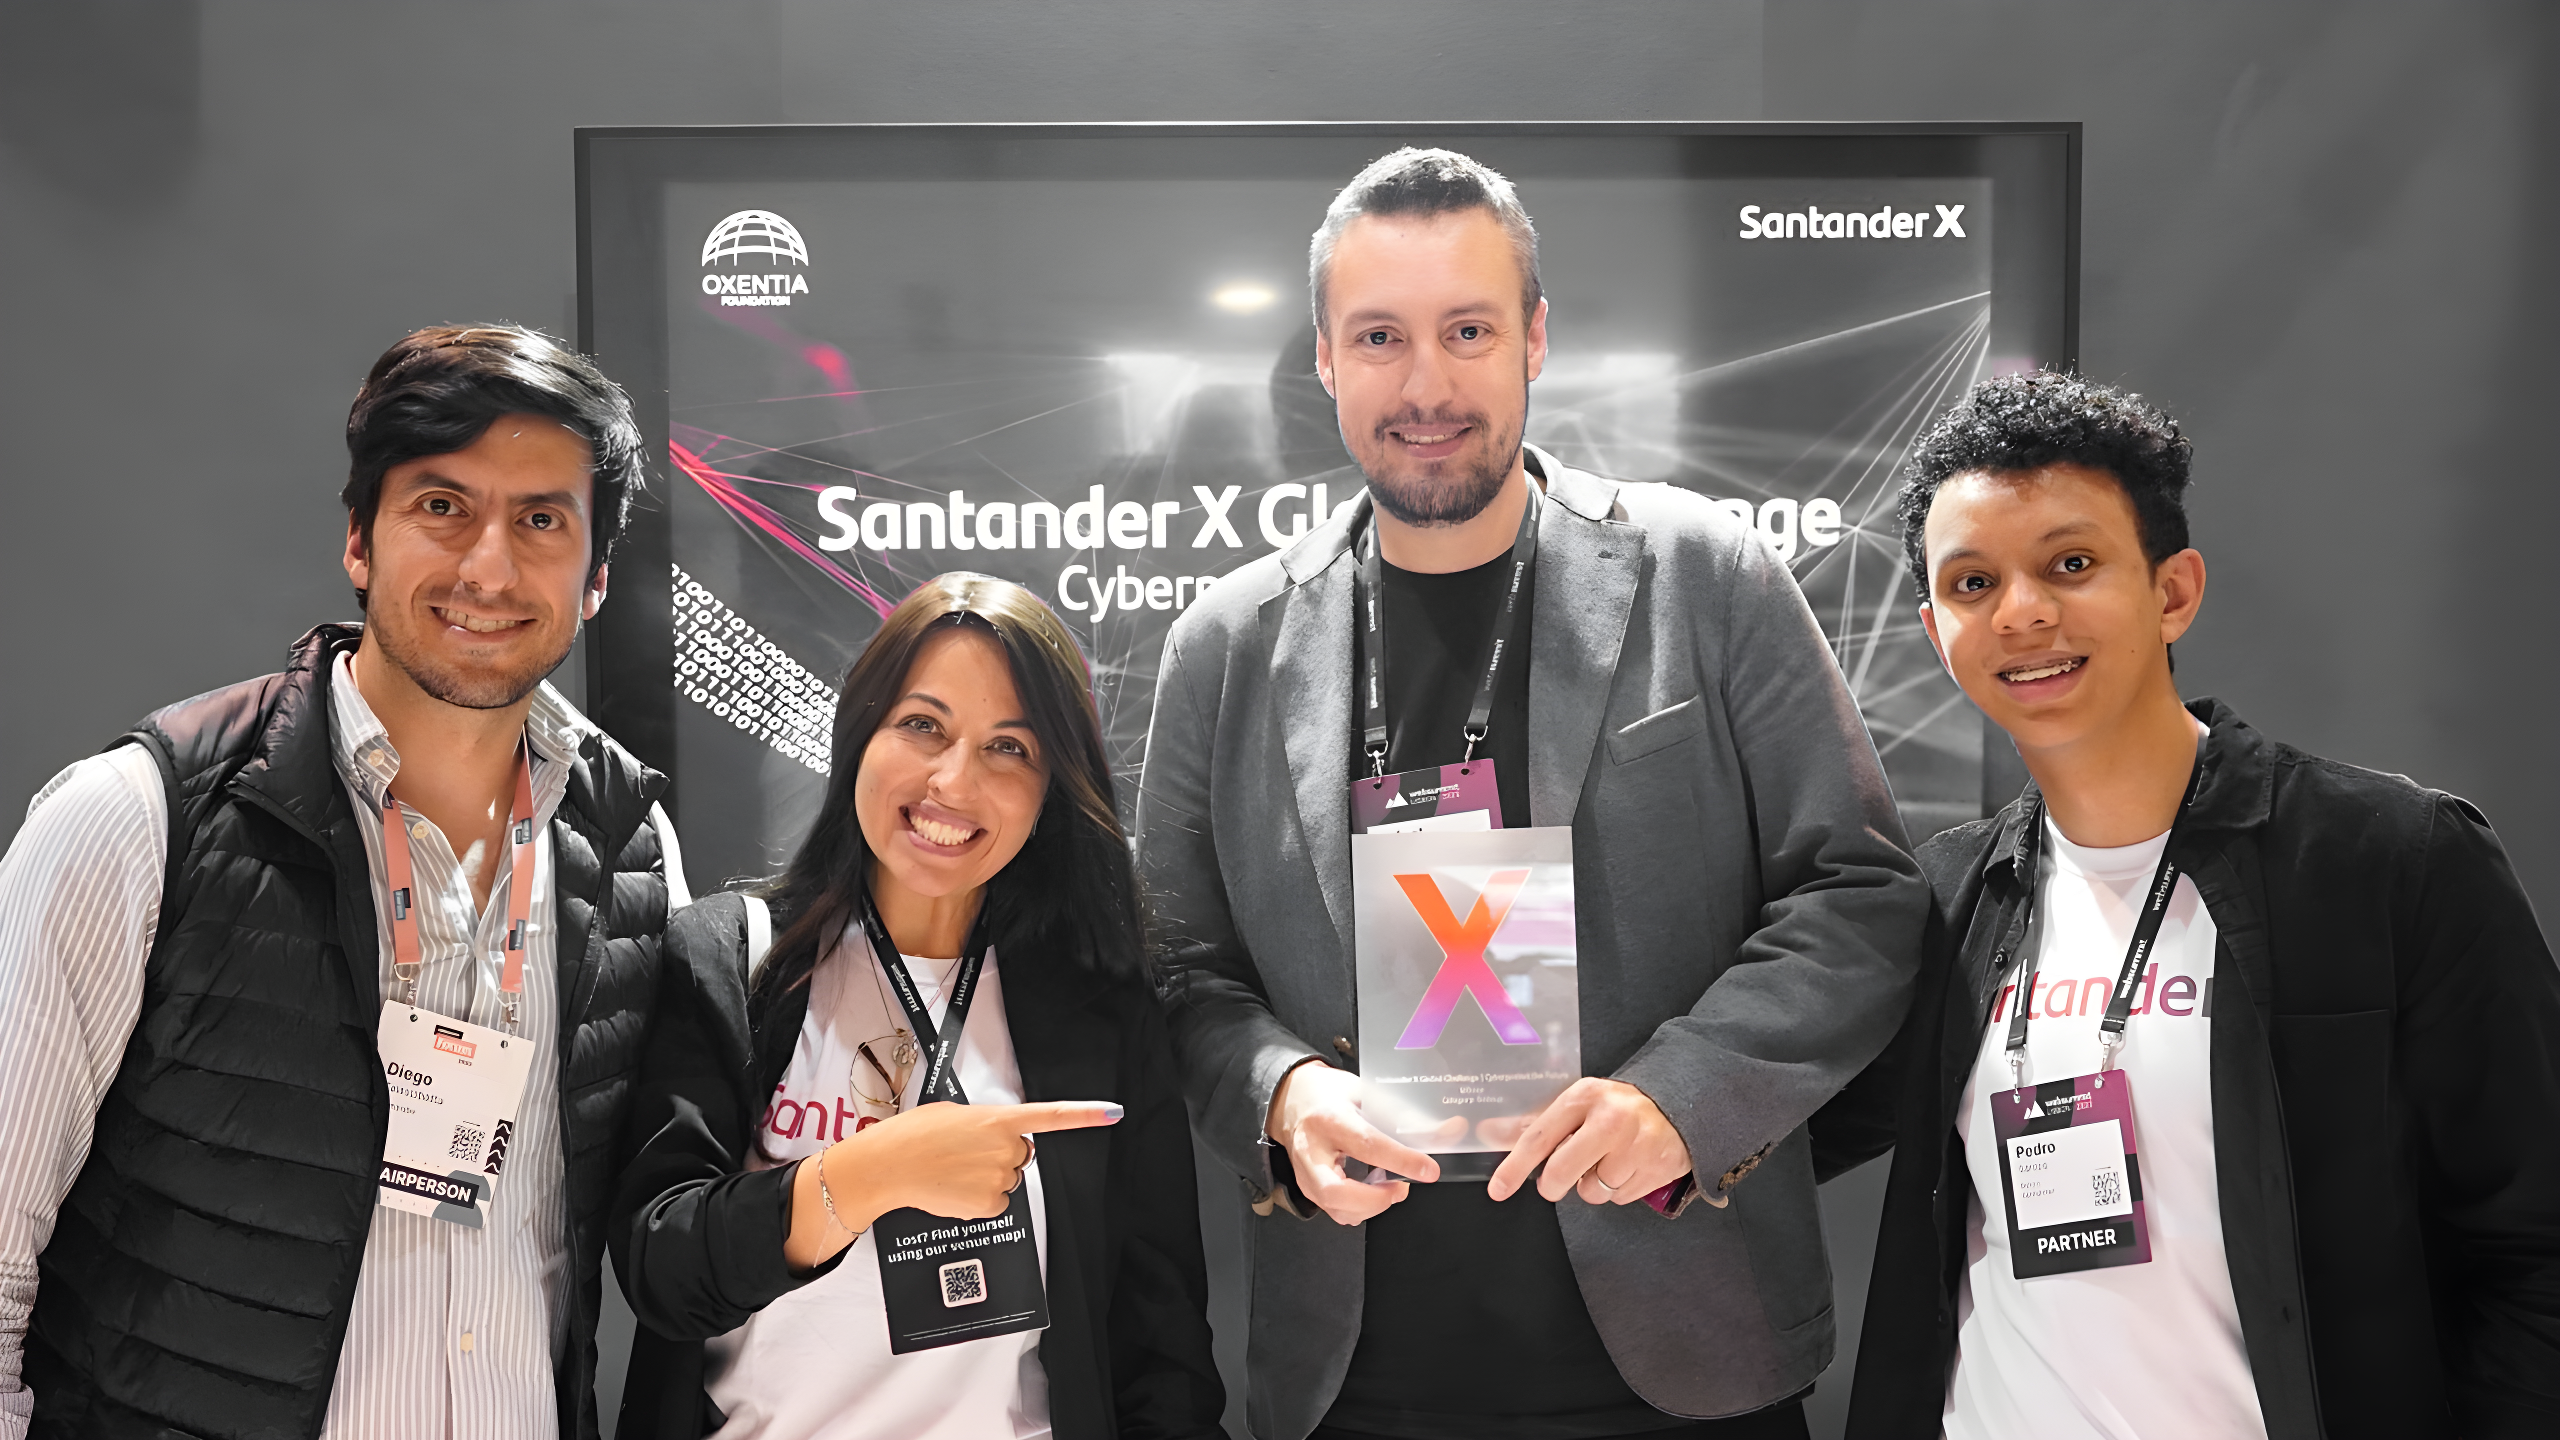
[(1463, 970)]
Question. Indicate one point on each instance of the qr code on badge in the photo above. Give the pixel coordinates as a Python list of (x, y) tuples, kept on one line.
[(964, 1282), (2107, 1188), (467, 1140)]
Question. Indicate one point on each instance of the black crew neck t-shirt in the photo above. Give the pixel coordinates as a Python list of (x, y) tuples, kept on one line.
[(1473, 1327), (1439, 633)]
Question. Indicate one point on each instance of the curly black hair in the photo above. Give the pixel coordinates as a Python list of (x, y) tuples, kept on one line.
[(2016, 423)]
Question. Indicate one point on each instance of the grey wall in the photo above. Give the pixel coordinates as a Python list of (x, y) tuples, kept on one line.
[(2319, 230)]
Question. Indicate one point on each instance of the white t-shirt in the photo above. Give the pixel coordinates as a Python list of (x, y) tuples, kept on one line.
[(2133, 1352), (815, 1364)]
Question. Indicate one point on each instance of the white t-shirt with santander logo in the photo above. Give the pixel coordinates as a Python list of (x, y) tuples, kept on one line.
[(815, 1364), (2134, 1352)]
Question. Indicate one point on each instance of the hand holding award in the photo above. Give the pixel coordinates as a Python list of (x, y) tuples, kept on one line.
[(1594, 1130), (1315, 1116)]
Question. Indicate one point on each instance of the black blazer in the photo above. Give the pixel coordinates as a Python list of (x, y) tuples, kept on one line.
[(698, 1238), (2386, 1104)]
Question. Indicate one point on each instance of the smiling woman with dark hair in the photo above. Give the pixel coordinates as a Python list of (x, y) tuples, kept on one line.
[(962, 924)]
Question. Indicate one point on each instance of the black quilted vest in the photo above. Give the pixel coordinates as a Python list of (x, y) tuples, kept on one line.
[(201, 1271)]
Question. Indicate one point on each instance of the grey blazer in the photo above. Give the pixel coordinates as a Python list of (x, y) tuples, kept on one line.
[(1749, 919)]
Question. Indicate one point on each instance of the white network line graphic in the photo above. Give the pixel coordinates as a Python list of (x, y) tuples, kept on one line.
[(1636, 413)]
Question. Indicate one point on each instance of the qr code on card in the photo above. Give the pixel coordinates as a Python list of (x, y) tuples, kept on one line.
[(2106, 1188), (964, 1282), (467, 1140)]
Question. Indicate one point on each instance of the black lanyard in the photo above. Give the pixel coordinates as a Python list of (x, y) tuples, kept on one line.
[(2146, 930), (942, 1045), (1368, 599)]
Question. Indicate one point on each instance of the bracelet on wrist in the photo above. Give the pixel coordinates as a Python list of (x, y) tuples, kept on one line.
[(828, 1199)]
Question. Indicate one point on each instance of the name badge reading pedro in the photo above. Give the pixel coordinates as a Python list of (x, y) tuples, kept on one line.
[(2068, 1176), (455, 1088)]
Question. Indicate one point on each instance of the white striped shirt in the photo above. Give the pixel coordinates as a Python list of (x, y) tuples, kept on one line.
[(454, 1331)]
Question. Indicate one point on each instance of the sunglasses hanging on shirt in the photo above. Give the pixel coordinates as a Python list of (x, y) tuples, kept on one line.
[(890, 1059)]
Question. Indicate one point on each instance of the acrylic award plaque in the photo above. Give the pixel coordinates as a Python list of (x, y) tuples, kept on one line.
[(1470, 1019)]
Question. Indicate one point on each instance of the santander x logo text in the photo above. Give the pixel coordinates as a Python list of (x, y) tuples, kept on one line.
[(1463, 970)]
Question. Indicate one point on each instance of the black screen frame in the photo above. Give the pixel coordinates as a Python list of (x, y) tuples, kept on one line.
[(620, 244)]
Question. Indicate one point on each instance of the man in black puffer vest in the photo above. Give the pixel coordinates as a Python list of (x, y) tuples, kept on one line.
[(213, 935)]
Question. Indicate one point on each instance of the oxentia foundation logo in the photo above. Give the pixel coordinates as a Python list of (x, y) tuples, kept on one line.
[(755, 237)]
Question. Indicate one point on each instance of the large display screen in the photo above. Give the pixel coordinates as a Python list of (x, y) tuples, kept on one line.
[(1081, 358)]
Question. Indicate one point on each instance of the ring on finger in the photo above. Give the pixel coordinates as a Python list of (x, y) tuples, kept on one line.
[(1605, 1185), (1029, 1149), (1017, 1183)]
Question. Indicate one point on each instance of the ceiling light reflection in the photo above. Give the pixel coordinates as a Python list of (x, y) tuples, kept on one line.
[(1242, 298)]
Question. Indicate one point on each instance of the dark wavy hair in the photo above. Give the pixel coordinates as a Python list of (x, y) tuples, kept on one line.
[(1071, 895), (2016, 423), (438, 390)]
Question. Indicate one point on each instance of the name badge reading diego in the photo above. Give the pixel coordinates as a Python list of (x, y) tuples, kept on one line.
[(2069, 1177), (456, 1088)]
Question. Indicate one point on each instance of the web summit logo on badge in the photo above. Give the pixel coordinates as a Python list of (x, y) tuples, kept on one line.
[(736, 241)]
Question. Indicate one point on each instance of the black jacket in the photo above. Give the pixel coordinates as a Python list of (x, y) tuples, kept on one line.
[(699, 1238), (202, 1268), (2386, 1103)]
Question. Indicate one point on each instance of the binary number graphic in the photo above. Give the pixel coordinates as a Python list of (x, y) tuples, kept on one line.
[(727, 668), (964, 1282)]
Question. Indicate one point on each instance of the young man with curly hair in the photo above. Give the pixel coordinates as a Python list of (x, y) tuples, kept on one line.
[(2227, 1103)]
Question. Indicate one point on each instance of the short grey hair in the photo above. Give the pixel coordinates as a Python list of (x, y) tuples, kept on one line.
[(1424, 183)]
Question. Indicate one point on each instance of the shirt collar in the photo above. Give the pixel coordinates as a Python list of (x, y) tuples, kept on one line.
[(369, 763), (2238, 792)]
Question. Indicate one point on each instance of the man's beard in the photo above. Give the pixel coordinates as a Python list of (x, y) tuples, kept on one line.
[(1465, 486), (481, 689)]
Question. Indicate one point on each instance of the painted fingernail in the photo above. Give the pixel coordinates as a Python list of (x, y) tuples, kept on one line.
[(1112, 1112)]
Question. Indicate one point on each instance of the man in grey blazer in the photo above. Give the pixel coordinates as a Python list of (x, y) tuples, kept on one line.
[(1748, 920)]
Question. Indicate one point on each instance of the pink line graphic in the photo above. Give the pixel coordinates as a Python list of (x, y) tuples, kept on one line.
[(722, 487)]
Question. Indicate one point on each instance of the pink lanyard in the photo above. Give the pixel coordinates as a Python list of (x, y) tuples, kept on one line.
[(405, 958)]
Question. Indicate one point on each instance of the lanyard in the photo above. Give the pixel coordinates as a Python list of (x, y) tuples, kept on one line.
[(941, 1072), (2146, 930), (405, 950), (1369, 600)]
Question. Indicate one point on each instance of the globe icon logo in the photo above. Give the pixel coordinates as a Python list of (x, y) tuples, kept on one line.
[(754, 232)]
